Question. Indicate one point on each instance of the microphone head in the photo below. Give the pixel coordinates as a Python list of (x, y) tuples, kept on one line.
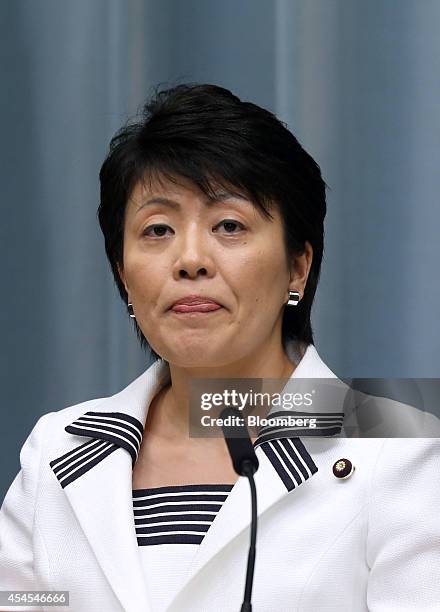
[(238, 441)]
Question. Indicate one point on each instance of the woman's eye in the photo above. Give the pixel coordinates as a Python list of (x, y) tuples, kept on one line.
[(147, 231), (227, 223), (159, 230)]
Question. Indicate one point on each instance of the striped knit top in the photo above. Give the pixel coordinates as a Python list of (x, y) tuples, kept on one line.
[(170, 523)]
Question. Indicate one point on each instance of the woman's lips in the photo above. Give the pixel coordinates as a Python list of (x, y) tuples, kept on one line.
[(196, 307)]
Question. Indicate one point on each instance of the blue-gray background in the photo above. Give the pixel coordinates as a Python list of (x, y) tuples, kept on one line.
[(357, 82)]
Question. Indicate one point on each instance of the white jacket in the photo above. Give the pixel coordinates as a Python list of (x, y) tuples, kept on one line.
[(367, 542)]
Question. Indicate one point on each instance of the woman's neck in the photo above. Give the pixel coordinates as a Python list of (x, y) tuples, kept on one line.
[(168, 415)]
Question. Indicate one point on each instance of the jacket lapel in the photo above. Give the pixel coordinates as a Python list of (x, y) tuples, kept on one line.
[(96, 476)]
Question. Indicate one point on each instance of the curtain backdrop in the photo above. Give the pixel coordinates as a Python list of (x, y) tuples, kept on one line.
[(358, 84)]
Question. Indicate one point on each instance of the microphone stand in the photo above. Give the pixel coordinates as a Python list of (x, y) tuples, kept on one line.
[(245, 463), (246, 606)]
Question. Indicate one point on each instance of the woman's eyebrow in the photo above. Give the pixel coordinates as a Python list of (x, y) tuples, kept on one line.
[(219, 197)]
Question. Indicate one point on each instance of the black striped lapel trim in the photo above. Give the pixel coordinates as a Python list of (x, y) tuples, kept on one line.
[(290, 459), (108, 432), (119, 428), (327, 424), (80, 460)]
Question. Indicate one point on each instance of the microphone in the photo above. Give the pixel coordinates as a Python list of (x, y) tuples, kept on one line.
[(245, 463)]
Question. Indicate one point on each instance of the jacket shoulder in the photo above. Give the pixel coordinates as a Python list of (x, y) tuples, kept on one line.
[(54, 437), (69, 413)]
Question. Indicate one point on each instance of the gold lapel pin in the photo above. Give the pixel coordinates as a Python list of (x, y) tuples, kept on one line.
[(343, 468)]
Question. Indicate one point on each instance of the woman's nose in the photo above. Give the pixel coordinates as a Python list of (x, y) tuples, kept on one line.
[(193, 256)]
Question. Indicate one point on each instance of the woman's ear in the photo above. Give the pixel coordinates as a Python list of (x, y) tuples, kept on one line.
[(122, 276), (300, 269)]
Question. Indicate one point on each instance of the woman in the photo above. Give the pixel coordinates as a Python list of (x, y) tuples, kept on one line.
[(212, 215)]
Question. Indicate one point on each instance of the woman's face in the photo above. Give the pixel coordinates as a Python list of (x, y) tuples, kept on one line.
[(226, 251)]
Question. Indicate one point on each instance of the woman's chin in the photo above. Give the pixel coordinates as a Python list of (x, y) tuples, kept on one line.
[(194, 354)]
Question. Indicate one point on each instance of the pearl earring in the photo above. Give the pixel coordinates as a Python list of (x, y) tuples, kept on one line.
[(293, 298)]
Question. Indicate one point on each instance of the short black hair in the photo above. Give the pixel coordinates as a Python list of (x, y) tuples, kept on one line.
[(205, 133)]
